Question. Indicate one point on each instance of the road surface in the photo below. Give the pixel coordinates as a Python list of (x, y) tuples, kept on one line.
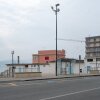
[(59, 89)]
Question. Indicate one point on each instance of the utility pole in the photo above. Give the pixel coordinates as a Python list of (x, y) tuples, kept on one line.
[(79, 63), (12, 52), (56, 12), (18, 59), (71, 40)]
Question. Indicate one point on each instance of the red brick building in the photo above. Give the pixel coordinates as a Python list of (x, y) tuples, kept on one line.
[(45, 56)]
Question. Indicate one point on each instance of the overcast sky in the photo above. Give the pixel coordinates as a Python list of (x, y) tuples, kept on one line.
[(27, 26)]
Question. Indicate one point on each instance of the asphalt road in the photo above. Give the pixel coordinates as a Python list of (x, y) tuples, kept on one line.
[(61, 89)]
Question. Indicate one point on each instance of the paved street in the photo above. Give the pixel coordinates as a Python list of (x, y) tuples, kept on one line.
[(59, 89)]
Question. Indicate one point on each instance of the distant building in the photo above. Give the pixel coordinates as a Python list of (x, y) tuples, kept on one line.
[(92, 57), (45, 56)]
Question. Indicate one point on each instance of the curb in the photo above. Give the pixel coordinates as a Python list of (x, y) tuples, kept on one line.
[(19, 80)]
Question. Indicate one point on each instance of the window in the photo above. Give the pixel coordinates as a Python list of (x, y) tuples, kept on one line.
[(35, 57), (20, 70), (94, 39), (97, 59), (90, 60), (46, 58), (26, 65)]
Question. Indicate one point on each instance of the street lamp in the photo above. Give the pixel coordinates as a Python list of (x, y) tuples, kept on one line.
[(56, 12), (12, 52), (79, 63)]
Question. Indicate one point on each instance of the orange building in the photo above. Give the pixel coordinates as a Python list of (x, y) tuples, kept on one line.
[(45, 56)]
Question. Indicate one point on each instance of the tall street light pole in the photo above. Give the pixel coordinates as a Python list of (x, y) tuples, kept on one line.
[(12, 52), (79, 63), (56, 12)]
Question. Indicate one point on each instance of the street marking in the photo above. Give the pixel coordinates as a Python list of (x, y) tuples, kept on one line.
[(59, 96), (51, 81), (7, 85), (22, 85), (12, 84)]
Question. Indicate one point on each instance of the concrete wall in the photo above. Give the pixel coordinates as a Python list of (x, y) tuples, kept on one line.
[(48, 70), (76, 68), (93, 66), (94, 72), (28, 74)]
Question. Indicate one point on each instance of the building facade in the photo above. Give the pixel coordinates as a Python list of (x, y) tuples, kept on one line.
[(31, 70), (69, 66), (45, 56), (65, 67), (92, 57)]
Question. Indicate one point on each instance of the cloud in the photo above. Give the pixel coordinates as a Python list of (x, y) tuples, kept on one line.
[(13, 15), (30, 24), (17, 9), (22, 3)]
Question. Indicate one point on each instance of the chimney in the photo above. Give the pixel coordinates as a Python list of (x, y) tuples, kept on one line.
[(18, 60)]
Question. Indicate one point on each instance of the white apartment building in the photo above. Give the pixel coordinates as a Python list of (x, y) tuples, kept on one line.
[(92, 57)]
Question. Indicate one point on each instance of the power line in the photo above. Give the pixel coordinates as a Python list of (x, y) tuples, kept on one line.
[(70, 40)]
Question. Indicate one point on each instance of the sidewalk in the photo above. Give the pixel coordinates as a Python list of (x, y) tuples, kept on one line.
[(8, 80)]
